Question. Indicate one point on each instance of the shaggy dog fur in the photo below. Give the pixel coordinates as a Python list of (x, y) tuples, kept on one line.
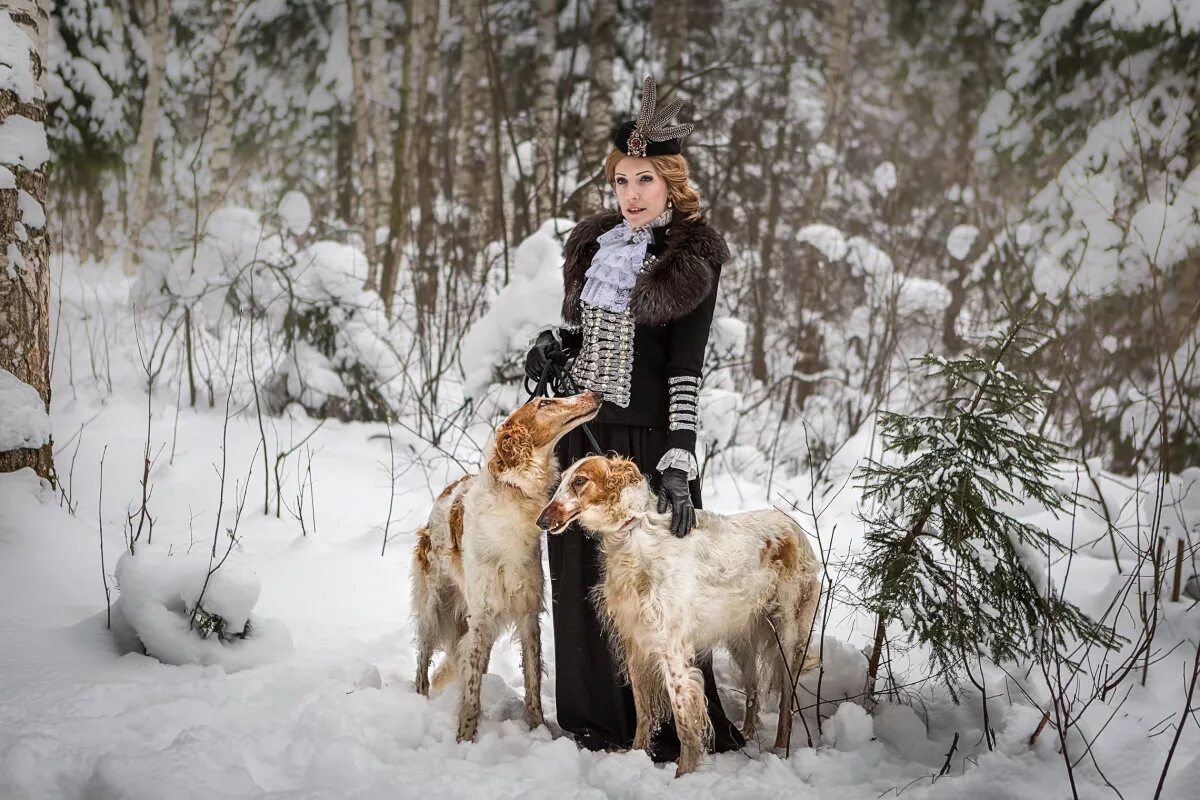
[(477, 566), (748, 581)]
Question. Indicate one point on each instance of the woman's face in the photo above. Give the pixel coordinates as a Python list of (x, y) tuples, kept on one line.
[(641, 191)]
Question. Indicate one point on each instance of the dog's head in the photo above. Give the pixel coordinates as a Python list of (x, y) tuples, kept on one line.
[(520, 452), (605, 493)]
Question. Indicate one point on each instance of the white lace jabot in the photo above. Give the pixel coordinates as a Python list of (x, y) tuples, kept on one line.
[(616, 265)]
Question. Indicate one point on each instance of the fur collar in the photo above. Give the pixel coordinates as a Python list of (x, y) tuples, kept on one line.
[(679, 281)]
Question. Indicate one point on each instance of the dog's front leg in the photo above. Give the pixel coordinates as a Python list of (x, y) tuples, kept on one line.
[(530, 630), (475, 648), (685, 686)]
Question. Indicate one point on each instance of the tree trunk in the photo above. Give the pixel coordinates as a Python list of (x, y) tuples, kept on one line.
[(806, 335), (380, 112), (835, 89), (147, 130), (343, 156), (544, 104), (362, 129), (399, 211), (597, 140), (24, 243), (222, 102), (425, 268), (670, 24), (473, 189)]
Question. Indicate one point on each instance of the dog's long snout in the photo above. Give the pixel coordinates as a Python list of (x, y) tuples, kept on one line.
[(552, 518), (544, 518)]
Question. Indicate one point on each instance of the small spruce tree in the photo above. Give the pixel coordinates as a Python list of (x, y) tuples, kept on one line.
[(942, 558)]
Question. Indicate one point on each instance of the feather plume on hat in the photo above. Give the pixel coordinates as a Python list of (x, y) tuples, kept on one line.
[(652, 133)]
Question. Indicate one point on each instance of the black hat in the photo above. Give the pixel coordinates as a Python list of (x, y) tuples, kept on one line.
[(651, 134)]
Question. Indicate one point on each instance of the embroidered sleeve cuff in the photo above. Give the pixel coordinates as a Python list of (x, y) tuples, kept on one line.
[(680, 459)]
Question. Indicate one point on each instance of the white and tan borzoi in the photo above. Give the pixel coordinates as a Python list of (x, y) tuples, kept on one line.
[(477, 566), (748, 581)]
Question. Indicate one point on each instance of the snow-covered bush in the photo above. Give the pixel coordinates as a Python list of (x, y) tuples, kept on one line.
[(315, 337), (158, 608)]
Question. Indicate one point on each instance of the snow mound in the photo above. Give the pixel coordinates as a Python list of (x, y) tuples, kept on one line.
[(530, 301), (1176, 501), (295, 212), (158, 593), (850, 729), (23, 418)]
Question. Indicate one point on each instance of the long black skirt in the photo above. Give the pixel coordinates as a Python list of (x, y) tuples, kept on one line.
[(595, 703)]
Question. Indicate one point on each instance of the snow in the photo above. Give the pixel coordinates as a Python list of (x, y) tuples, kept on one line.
[(24, 422), (1135, 15), (23, 143), (850, 729), (15, 259), (85, 713), (826, 238), (959, 242), (16, 73), (158, 593), (32, 213), (884, 178), (529, 302), (1176, 500), (728, 335), (296, 212)]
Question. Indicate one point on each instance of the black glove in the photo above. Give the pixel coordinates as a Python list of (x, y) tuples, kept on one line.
[(545, 350), (673, 491)]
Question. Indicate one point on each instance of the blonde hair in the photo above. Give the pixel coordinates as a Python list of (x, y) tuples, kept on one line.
[(674, 170)]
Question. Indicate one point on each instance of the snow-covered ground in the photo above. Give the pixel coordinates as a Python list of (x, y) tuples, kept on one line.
[(83, 715)]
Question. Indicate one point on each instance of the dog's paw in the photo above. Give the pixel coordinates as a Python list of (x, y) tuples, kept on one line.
[(466, 731)]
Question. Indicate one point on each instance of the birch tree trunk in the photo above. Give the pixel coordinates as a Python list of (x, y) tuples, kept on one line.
[(362, 127), (474, 142), (24, 244), (226, 12), (147, 130), (469, 104), (380, 112), (835, 89), (545, 202)]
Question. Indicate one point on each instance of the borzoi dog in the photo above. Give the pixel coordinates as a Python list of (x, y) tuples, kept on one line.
[(477, 566), (749, 581)]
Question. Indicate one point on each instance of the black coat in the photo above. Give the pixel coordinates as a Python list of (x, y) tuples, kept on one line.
[(672, 307)]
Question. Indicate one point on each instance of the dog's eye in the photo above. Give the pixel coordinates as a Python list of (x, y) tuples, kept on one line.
[(579, 481), (543, 403)]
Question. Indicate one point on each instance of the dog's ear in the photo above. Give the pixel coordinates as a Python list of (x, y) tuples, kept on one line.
[(512, 449), (621, 473)]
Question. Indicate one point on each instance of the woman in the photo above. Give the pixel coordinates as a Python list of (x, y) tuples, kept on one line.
[(640, 287)]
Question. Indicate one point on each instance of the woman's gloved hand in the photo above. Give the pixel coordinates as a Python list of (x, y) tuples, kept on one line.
[(673, 491), (546, 350)]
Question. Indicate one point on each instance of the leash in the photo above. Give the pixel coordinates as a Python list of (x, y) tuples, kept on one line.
[(559, 380)]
